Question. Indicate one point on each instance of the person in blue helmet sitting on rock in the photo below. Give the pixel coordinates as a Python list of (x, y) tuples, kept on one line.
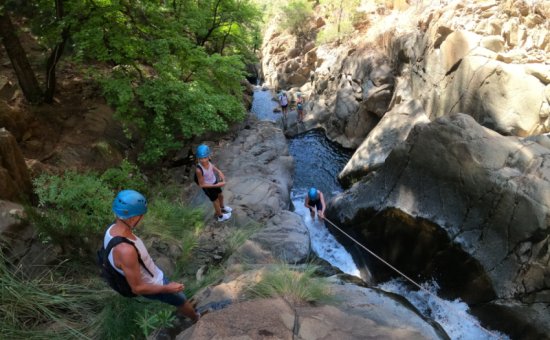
[(210, 184), (132, 260), (315, 201)]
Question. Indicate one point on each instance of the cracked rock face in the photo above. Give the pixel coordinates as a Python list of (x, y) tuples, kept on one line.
[(489, 193), (486, 60)]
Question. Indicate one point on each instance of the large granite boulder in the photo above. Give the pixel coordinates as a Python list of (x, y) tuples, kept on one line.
[(284, 238), (487, 193), (15, 182), (486, 60), (392, 130), (258, 169), (361, 313)]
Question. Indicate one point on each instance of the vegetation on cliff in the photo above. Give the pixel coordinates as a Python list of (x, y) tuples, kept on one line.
[(171, 70)]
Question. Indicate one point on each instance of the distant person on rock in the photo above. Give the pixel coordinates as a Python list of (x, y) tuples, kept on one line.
[(283, 101), (129, 257), (315, 201), (300, 106), (210, 184)]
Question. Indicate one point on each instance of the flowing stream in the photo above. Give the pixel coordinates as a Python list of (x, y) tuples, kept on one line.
[(317, 164)]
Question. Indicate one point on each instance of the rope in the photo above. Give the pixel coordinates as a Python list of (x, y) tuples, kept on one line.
[(459, 312)]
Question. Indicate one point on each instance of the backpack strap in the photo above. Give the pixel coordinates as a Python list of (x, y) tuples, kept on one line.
[(118, 240)]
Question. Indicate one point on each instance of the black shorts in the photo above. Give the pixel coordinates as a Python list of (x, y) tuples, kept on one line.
[(212, 193), (317, 204)]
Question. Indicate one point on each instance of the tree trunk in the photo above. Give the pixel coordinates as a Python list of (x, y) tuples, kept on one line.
[(55, 56), (25, 75), (224, 40), (51, 79), (340, 19), (201, 41)]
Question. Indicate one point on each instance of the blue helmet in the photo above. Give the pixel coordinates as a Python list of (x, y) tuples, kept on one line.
[(129, 203), (312, 194), (203, 151)]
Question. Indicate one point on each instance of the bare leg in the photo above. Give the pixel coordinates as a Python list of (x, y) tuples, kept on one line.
[(220, 200), (187, 310), (217, 207)]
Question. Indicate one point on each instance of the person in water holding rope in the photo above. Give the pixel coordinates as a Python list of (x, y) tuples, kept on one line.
[(210, 184), (315, 200), (127, 254)]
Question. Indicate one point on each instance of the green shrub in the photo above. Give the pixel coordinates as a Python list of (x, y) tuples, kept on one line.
[(72, 208), (296, 15), (136, 318), (339, 22), (148, 322), (126, 176), (172, 220), (296, 285), (330, 33)]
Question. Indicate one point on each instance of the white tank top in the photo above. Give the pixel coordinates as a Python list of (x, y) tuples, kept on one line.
[(158, 275), (208, 174)]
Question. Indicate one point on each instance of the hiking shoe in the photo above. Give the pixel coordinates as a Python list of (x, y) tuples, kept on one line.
[(223, 217), (227, 209)]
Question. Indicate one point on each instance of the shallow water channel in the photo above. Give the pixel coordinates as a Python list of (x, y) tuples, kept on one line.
[(317, 164)]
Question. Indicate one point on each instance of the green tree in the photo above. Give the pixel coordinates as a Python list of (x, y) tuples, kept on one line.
[(169, 77), (18, 57), (296, 15), (54, 32), (339, 19), (173, 71)]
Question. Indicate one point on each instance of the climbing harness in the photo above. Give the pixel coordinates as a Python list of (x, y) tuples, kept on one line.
[(409, 279)]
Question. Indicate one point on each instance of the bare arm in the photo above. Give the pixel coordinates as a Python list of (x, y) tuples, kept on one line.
[(126, 258), (323, 205), (220, 173), (306, 204)]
